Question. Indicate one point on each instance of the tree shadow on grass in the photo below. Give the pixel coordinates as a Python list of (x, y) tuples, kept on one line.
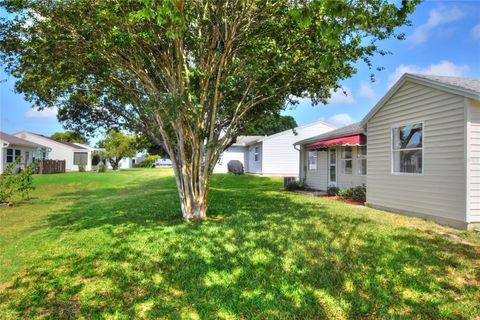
[(262, 254)]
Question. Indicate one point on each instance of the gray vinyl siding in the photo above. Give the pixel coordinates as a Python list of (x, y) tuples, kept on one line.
[(474, 162), (440, 190), (255, 166), (318, 179)]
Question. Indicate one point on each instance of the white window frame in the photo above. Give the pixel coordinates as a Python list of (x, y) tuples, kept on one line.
[(14, 151), (256, 154), (344, 160), (361, 158), (80, 154), (392, 168), (314, 154)]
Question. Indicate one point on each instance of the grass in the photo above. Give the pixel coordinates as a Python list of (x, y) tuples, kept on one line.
[(112, 245)]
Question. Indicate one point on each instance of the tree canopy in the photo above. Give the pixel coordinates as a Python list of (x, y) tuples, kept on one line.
[(69, 136), (269, 125), (188, 74)]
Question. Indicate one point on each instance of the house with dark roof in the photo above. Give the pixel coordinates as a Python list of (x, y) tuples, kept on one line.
[(74, 155), (12, 147), (417, 151), (272, 155)]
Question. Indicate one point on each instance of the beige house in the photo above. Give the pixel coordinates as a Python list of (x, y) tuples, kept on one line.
[(423, 145)]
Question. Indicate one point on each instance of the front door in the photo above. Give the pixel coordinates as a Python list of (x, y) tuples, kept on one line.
[(27, 158), (332, 167)]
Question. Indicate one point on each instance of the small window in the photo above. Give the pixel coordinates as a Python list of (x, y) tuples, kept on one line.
[(362, 160), (9, 155), (312, 160), (347, 162), (407, 149), (80, 158), (256, 154)]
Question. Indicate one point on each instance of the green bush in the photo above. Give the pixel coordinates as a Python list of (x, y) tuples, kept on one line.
[(295, 185), (102, 168), (11, 183), (332, 191), (81, 168), (345, 193), (359, 193)]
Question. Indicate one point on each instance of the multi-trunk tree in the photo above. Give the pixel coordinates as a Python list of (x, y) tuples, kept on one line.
[(188, 74)]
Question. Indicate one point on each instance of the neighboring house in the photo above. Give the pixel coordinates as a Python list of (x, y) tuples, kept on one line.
[(271, 155), (423, 145), (13, 147), (73, 154), (125, 163), (336, 158)]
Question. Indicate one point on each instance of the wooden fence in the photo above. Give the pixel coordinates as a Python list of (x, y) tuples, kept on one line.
[(51, 166)]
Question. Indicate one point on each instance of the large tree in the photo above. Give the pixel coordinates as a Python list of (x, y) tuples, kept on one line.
[(189, 74)]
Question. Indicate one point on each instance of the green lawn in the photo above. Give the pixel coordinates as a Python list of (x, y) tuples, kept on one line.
[(113, 246)]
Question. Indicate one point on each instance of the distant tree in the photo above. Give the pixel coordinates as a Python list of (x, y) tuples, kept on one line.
[(265, 126), (70, 136), (117, 146)]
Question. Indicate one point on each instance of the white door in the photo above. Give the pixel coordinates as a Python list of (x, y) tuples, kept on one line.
[(332, 167)]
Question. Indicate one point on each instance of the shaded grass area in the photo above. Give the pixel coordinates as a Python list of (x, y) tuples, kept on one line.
[(113, 246)]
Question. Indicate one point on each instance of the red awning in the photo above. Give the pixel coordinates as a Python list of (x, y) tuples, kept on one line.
[(355, 140)]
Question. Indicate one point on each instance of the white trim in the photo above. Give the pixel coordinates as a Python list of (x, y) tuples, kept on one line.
[(316, 160), (404, 124), (329, 164), (467, 150), (362, 158), (343, 160)]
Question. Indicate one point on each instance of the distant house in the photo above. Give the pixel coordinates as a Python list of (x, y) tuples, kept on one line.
[(271, 155), (125, 163), (417, 150), (13, 147), (73, 154)]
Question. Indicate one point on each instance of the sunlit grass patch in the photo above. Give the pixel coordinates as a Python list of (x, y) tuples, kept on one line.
[(114, 246)]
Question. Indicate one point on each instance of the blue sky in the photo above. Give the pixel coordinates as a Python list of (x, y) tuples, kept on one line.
[(443, 40)]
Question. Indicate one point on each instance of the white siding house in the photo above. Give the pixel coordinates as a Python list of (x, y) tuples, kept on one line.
[(12, 147), (74, 155), (271, 155), (423, 145)]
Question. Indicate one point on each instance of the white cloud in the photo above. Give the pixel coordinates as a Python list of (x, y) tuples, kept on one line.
[(366, 90), (341, 119), (45, 114), (475, 32), (444, 68), (436, 18), (339, 97)]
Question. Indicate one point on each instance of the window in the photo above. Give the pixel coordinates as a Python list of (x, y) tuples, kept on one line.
[(347, 162), (312, 160), (362, 160), (13, 154), (407, 149), (80, 158), (257, 154)]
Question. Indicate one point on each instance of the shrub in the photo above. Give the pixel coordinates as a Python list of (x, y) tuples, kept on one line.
[(332, 191), (11, 183), (295, 185), (24, 181), (345, 193), (81, 168), (359, 193), (102, 168)]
